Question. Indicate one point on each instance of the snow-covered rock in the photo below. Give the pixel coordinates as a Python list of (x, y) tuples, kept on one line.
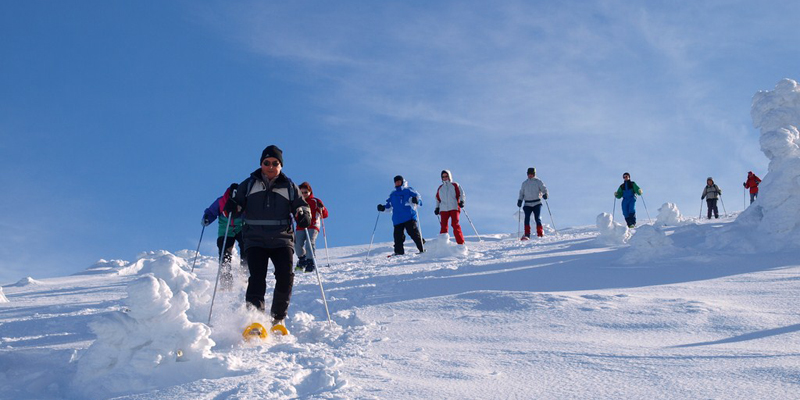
[(443, 247), (3, 298), (611, 232), (27, 281), (647, 244), (773, 220), (669, 214), (150, 345)]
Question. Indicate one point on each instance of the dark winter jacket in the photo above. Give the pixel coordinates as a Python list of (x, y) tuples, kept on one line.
[(216, 210), (712, 192), (268, 210), (399, 201)]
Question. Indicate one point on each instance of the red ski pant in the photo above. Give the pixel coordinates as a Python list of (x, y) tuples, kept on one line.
[(452, 215)]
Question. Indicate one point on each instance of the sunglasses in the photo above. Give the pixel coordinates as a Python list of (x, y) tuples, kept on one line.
[(274, 163)]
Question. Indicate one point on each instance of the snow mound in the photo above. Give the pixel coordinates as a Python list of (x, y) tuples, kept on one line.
[(669, 214), (442, 247), (3, 298), (152, 345), (104, 267), (27, 281), (647, 244), (773, 220), (611, 232)]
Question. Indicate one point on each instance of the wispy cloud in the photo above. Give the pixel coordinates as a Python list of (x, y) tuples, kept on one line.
[(582, 91)]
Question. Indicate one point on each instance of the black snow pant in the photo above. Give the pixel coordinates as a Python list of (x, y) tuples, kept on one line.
[(712, 206), (232, 240), (257, 261), (411, 227), (536, 210)]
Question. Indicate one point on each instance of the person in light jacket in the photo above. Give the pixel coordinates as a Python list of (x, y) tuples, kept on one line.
[(711, 193), (450, 199), (530, 198)]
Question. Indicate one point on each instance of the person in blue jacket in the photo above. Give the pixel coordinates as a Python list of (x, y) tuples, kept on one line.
[(234, 228), (403, 202)]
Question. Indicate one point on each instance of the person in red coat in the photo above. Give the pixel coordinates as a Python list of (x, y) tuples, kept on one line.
[(752, 184), (306, 262)]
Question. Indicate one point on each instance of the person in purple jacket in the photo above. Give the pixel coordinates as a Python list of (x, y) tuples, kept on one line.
[(234, 228)]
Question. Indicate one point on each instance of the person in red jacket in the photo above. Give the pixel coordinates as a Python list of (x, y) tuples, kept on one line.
[(752, 184), (309, 234)]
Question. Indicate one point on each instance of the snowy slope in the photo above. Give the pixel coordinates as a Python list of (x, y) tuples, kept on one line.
[(563, 316)]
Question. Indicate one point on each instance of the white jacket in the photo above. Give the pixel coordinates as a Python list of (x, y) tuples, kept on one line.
[(531, 192), (446, 197)]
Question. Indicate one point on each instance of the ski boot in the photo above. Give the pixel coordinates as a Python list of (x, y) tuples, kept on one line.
[(301, 264), (310, 266), (278, 326)]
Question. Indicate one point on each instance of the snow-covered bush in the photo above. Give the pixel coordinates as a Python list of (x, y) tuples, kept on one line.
[(442, 247), (151, 345), (611, 232)]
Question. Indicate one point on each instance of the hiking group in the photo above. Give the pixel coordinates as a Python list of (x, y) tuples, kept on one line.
[(273, 219)]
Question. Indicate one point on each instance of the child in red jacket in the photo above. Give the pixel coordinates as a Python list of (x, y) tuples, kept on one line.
[(303, 235)]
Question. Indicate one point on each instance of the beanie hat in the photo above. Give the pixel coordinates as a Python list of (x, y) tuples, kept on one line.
[(626, 173), (272, 151), (399, 178), (306, 186), (531, 171)]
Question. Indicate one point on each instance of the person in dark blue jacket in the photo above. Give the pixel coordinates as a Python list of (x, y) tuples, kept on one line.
[(403, 202)]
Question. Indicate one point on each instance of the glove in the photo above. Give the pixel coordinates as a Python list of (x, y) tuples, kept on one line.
[(414, 200), (231, 206), (744, 184), (381, 207), (233, 187), (436, 211), (206, 220), (519, 203), (702, 197), (303, 218), (544, 196), (640, 192), (461, 203)]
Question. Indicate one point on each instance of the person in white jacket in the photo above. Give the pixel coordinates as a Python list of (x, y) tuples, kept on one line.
[(449, 202), (531, 194)]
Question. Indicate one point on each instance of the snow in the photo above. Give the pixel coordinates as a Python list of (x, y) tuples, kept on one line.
[(682, 308)]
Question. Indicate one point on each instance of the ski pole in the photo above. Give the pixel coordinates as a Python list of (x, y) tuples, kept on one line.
[(325, 236), (645, 209), (701, 209), (197, 252), (519, 221), (744, 198), (319, 279), (373, 236), (219, 267), (473, 226), (723, 205), (614, 210), (551, 216)]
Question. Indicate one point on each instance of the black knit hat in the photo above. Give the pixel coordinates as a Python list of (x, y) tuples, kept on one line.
[(399, 178), (272, 151), (531, 171)]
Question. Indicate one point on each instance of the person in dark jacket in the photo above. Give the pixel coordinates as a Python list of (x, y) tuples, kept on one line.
[(627, 192), (233, 226), (403, 202), (711, 193), (269, 200)]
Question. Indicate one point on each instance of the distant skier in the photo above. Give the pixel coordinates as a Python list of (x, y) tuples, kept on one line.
[(269, 200), (531, 194), (403, 202), (449, 202), (309, 235), (217, 209), (711, 193), (627, 192), (752, 184)]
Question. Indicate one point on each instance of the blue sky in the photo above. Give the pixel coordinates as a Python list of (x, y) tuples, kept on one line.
[(121, 121)]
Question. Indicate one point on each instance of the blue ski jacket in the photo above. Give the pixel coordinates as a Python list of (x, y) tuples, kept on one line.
[(399, 202)]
